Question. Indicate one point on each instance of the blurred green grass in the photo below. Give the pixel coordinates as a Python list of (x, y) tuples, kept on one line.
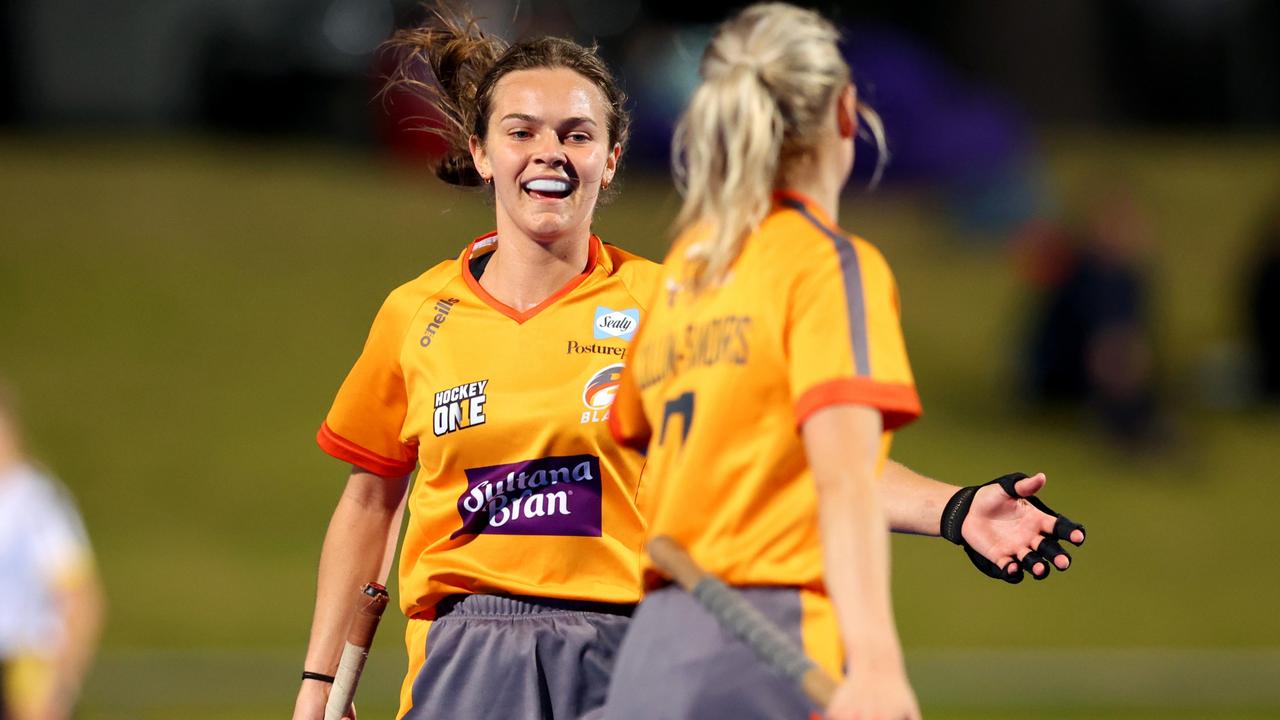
[(178, 314)]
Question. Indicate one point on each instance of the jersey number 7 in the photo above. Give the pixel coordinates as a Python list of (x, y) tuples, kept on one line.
[(682, 407)]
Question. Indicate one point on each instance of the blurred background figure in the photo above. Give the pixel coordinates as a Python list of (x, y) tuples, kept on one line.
[(1090, 342), (1263, 308), (51, 604)]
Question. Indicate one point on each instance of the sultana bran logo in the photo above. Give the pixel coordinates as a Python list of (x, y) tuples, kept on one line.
[(546, 496)]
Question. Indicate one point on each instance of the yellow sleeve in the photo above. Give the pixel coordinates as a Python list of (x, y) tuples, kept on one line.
[(844, 336), (364, 424), (627, 422)]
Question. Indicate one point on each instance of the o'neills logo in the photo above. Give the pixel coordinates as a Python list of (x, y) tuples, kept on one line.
[(547, 496), (442, 309)]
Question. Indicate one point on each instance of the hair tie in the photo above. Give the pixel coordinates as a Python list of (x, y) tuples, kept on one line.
[(308, 675)]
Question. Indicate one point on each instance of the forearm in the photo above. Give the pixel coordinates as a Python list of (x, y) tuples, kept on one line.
[(82, 610), (357, 548), (841, 444), (855, 543), (913, 503)]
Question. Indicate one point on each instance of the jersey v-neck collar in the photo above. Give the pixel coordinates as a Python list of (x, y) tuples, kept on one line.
[(594, 255)]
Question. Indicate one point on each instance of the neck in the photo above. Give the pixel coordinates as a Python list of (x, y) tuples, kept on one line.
[(522, 272), (820, 181)]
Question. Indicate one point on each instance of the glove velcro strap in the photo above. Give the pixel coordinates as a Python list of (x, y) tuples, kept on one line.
[(956, 510)]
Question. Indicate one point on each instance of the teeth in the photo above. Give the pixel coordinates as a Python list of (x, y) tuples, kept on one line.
[(548, 186)]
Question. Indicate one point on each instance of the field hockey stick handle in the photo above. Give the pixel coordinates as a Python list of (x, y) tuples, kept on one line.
[(733, 612), (364, 623), (675, 562)]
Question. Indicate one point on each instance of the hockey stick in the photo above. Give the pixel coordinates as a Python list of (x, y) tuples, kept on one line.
[(364, 623), (737, 616)]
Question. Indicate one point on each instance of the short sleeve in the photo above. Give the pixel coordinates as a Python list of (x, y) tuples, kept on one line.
[(365, 423), (844, 336), (60, 540), (627, 422)]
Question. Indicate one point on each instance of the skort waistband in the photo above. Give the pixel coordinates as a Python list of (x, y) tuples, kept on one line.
[(464, 605)]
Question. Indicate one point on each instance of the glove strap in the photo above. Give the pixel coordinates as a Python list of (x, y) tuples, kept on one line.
[(957, 508), (954, 513)]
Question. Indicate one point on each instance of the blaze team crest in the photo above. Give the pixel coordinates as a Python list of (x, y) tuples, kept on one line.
[(598, 393)]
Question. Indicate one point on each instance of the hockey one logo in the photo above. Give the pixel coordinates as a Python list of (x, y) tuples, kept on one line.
[(619, 324), (546, 496), (599, 392), (459, 408)]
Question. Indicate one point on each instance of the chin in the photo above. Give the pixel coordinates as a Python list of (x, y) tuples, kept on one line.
[(547, 230)]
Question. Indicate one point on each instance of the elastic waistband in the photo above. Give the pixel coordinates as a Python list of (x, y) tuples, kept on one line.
[(508, 605)]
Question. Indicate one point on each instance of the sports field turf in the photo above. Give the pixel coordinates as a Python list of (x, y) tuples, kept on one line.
[(178, 314)]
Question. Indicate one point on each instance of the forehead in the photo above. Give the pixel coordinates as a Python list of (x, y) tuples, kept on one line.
[(548, 93)]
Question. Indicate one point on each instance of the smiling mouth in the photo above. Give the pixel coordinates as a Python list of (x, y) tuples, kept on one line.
[(549, 188)]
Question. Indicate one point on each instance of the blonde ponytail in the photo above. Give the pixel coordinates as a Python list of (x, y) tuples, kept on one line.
[(769, 78), (726, 154)]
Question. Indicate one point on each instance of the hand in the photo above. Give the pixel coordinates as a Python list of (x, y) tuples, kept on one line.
[(1013, 530), (871, 694), (312, 697)]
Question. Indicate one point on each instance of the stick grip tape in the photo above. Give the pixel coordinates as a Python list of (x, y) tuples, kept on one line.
[(364, 623), (739, 617)]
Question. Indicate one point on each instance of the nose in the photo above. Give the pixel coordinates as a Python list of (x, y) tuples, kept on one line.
[(550, 151)]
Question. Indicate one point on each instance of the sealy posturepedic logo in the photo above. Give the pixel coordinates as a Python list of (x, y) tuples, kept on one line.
[(546, 496), (616, 324)]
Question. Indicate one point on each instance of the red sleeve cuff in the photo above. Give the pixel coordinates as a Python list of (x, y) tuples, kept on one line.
[(345, 450), (898, 403)]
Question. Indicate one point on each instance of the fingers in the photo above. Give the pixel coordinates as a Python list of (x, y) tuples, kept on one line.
[(1035, 564), (1072, 532), (1050, 550), (1011, 572), (1004, 567), (1028, 486), (1009, 483), (1057, 524)]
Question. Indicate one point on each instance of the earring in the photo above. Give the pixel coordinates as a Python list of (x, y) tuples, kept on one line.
[(487, 180), (604, 185)]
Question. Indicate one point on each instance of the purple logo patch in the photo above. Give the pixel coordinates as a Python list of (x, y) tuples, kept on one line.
[(547, 496)]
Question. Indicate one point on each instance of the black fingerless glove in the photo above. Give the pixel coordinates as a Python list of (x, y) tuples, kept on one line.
[(957, 509)]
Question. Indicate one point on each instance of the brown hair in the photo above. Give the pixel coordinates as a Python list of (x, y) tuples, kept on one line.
[(468, 63)]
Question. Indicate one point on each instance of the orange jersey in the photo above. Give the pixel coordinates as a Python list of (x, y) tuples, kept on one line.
[(719, 383), (520, 488)]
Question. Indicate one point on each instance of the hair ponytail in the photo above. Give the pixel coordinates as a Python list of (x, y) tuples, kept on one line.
[(460, 56), (468, 63), (726, 153), (769, 78)]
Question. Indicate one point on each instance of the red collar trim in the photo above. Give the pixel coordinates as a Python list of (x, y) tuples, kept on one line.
[(490, 239)]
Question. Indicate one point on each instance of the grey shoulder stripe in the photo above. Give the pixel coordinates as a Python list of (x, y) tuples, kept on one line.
[(853, 297)]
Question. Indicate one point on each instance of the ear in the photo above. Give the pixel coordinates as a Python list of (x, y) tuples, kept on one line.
[(479, 157), (847, 112), (611, 165)]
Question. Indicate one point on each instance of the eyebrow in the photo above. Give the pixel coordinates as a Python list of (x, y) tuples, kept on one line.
[(577, 120)]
